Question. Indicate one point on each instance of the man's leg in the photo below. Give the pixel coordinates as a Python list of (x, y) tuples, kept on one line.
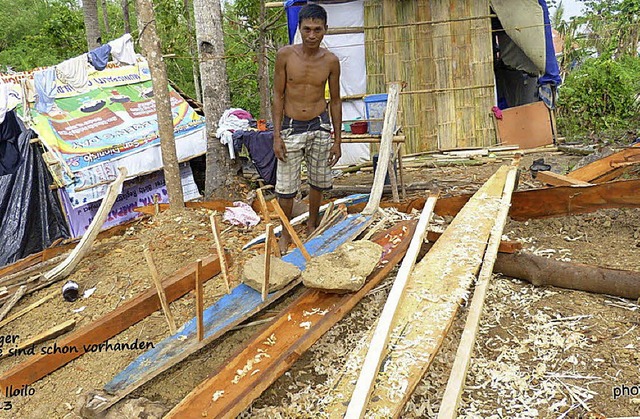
[(285, 239), (315, 198)]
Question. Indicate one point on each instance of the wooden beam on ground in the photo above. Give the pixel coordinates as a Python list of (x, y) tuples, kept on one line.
[(377, 345), (506, 246), (199, 301), (455, 385), (386, 144), (109, 325), (602, 170), (30, 307), (426, 312), (555, 179), (51, 333), (294, 236), (216, 236), (161, 294), (210, 205), (284, 341), (84, 246), (558, 201)]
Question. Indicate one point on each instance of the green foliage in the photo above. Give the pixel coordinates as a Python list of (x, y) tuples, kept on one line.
[(241, 28), (39, 33), (600, 96)]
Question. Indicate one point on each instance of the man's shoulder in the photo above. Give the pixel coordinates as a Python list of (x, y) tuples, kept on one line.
[(285, 50), (328, 55)]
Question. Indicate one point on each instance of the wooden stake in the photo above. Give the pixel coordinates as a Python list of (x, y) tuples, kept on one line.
[(156, 204), (267, 261), (51, 333), (199, 300), (556, 179), (263, 205), (166, 309), (371, 365), (455, 385), (220, 251), (290, 229), (13, 301)]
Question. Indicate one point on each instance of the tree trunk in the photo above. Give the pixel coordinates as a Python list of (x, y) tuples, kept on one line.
[(91, 23), (125, 16), (105, 16), (193, 52), (152, 51), (263, 66), (215, 94)]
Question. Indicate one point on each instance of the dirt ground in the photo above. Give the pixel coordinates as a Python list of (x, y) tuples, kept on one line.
[(541, 352)]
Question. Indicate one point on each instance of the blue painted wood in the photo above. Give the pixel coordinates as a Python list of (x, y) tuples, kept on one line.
[(229, 311)]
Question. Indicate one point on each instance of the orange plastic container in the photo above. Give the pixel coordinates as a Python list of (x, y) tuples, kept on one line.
[(359, 127)]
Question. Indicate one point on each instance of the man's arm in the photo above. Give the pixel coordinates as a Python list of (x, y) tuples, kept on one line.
[(277, 110), (335, 107)]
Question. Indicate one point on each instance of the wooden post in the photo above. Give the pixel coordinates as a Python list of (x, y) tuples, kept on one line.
[(267, 261), (160, 289), (220, 251), (371, 365), (390, 116), (263, 205), (290, 229), (276, 249), (199, 300)]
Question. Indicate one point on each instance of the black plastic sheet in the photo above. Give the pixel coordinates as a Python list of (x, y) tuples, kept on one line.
[(30, 214)]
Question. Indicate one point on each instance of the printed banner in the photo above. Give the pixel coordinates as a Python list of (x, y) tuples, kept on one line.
[(109, 123), (135, 193)]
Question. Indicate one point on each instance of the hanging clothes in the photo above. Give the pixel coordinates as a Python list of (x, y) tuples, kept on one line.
[(45, 85), (10, 153), (122, 49), (99, 57), (74, 72)]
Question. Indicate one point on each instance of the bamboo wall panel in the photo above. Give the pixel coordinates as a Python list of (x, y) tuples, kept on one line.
[(452, 57)]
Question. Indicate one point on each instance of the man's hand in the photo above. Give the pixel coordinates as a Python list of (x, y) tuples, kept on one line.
[(279, 149), (334, 154)]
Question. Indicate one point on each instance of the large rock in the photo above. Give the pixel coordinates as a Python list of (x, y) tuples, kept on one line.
[(345, 269), (281, 273)]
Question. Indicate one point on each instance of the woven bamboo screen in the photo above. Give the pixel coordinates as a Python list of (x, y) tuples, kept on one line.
[(442, 50)]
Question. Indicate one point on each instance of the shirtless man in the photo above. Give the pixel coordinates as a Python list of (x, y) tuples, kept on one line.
[(300, 118)]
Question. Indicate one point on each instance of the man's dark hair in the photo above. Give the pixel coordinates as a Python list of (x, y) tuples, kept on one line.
[(312, 11)]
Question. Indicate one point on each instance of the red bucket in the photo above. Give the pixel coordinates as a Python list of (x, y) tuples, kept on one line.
[(359, 127)]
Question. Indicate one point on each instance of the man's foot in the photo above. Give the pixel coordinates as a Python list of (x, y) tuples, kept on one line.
[(284, 242), (312, 226)]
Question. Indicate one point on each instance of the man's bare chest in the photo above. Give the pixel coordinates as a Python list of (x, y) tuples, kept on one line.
[(307, 72)]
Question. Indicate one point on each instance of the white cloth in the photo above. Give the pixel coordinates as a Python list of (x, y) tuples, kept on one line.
[(74, 72), (226, 125), (122, 49), (241, 214), (4, 101)]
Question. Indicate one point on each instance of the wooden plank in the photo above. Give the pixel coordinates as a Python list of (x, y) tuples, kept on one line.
[(50, 333), (527, 126), (30, 307), (6, 307), (455, 385), (223, 266), (556, 179), (506, 246), (426, 310), (378, 343), (284, 341), (84, 246), (390, 117), (109, 325), (159, 288), (601, 170), (231, 310)]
